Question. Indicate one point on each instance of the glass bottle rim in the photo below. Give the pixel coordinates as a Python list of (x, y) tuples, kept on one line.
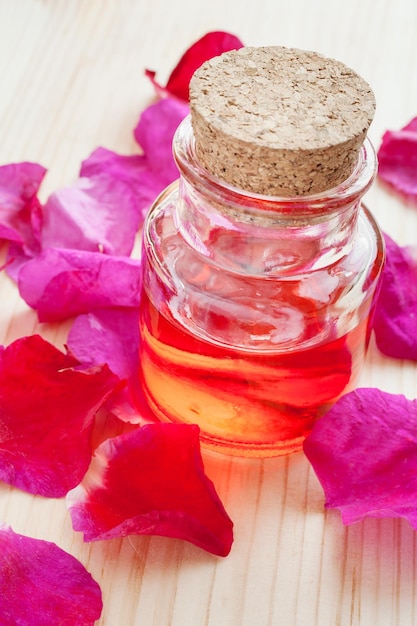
[(345, 194)]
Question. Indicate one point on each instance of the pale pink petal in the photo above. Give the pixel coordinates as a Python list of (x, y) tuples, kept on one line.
[(42, 585), (151, 481), (61, 283), (47, 416), (364, 452)]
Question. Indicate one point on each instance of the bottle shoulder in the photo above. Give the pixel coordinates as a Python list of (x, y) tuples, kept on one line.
[(255, 310)]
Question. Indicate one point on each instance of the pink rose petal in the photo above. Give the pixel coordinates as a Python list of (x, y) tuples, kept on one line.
[(62, 283), (154, 133), (47, 414), (150, 173), (364, 452), (107, 336), (42, 584), (130, 169), (395, 321), (151, 481), (111, 336), (99, 213), (397, 158), (210, 45), (19, 205)]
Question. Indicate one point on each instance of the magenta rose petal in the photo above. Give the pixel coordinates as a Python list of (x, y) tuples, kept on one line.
[(61, 283), (151, 481), (133, 170), (47, 416), (99, 214), (42, 584), (395, 321), (397, 157), (154, 133), (19, 205), (111, 336), (147, 174), (108, 336), (210, 45), (364, 453)]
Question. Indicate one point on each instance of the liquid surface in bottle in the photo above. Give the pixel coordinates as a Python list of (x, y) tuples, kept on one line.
[(245, 402)]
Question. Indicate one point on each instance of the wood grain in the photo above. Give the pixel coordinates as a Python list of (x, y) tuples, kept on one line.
[(71, 78)]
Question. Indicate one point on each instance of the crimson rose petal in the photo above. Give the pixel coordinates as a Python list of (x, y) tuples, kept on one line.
[(151, 481), (210, 45), (395, 321), (42, 584), (98, 213), (61, 283), (364, 452), (397, 157), (47, 410)]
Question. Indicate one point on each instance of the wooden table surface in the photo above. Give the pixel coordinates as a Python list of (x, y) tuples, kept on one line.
[(71, 78)]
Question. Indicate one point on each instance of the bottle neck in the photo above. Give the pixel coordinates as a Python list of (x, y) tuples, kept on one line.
[(266, 236)]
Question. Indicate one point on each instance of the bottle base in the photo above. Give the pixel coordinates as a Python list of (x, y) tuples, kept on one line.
[(236, 447), (251, 450)]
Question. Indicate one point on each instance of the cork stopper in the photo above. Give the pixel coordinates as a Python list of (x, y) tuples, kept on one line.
[(279, 121)]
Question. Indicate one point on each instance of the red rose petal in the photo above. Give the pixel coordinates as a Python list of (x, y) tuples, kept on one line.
[(42, 584), (210, 45), (397, 157), (151, 481), (364, 452), (47, 413), (395, 321), (19, 205), (98, 213), (61, 283)]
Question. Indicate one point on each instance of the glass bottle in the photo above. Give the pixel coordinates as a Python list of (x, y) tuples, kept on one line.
[(256, 310)]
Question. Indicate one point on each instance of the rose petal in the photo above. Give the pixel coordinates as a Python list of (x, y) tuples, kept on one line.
[(111, 336), (19, 205), (130, 169), (62, 283), (107, 336), (364, 452), (98, 213), (395, 321), (16, 259), (42, 584), (150, 173), (47, 413), (154, 133), (397, 157), (151, 481), (210, 45)]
